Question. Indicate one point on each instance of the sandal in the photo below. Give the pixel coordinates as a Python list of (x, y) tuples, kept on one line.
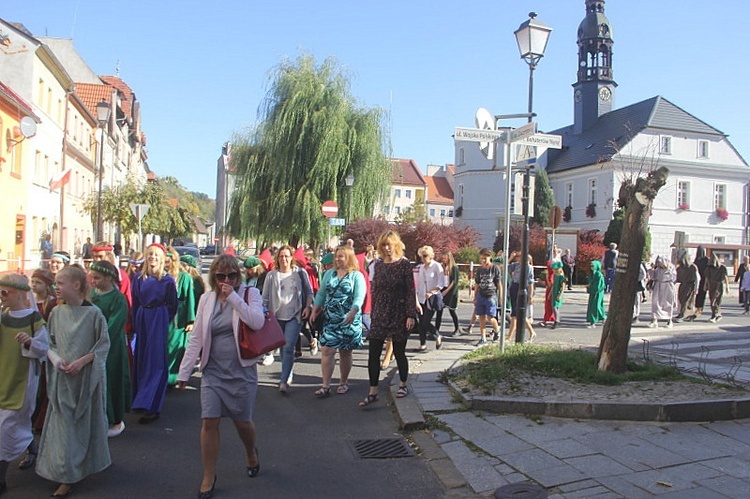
[(370, 399), (323, 392), (342, 389), (402, 392)]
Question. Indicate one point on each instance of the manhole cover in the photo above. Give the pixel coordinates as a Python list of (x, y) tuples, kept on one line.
[(381, 448), (521, 490)]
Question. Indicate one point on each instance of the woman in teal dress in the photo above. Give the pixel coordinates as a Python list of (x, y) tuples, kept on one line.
[(182, 324), (340, 298), (595, 312)]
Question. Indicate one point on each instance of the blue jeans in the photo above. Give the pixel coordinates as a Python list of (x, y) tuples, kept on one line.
[(291, 333), (609, 279)]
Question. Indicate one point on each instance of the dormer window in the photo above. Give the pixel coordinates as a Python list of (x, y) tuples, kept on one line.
[(703, 149), (666, 145)]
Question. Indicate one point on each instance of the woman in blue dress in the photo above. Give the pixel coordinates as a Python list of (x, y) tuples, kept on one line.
[(340, 298), (154, 306)]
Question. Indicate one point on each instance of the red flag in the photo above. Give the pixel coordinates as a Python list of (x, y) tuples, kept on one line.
[(63, 179)]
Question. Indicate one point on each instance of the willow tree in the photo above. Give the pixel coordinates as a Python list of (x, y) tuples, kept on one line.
[(311, 135)]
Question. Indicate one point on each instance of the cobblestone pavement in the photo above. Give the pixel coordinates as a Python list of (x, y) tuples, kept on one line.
[(587, 458)]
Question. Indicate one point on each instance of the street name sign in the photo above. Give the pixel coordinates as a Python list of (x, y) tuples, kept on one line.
[(336, 222), (523, 131), (478, 135), (542, 140)]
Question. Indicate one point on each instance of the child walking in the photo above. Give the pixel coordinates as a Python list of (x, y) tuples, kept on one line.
[(114, 306), (43, 287), (74, 441), (487, 278), (595, 312), (558, 287), (23, 342)]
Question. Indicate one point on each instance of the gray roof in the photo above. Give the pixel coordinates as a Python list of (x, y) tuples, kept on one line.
[(615, 129)]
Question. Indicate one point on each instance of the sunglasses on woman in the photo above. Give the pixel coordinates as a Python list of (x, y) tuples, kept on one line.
[(230, 276)]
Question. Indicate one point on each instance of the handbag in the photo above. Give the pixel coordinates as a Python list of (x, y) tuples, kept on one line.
[(256, 342)]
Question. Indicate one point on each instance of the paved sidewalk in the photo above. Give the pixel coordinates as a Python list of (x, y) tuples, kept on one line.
[(584, 458)]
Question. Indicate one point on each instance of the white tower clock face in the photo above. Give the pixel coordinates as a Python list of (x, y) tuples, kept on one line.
[(605, 94)]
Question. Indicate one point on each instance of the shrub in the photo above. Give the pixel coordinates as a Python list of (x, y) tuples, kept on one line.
[(467, 254), (590, 248)]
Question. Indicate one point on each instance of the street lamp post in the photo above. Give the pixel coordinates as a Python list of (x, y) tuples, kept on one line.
[(532, 37), (102, 115)]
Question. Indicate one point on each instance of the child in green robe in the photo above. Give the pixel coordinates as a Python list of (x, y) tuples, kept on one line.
[(595, 312)]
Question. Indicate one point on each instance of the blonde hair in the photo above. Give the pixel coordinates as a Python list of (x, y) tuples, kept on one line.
[(77, 274), (391, 237), (174, 268), (427, 249), (451, 262), (352, 263), (146, 271)]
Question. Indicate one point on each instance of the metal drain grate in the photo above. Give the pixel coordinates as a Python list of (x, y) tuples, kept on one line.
[(381, 448)]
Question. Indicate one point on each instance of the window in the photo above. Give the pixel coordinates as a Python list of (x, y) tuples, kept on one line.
[(41, 93), (703, 149), (397, 193), (666, 145), (568, 194), (386, 210), (407, 193), (683, 195), (461, 157), (720, 196), (432, 212), (592, 191), (450, 213), (442, 213), (38, 173), (460, 194), (720, 239), (397, 210)]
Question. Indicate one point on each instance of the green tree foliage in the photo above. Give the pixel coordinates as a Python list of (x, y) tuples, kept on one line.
[(162, 217), (614, 232), (312, 135), (537, 242), (544, 198), (194, 203)]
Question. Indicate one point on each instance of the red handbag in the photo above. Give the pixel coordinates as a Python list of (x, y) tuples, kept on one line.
[(256, 342)]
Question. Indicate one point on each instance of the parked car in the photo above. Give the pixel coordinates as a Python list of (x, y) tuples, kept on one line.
[(209, 250), (192, 251)]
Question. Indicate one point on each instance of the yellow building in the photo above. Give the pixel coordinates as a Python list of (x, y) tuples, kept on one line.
[(14, 168)]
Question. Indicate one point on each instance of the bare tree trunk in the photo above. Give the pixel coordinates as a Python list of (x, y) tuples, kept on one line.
[(638, 200)]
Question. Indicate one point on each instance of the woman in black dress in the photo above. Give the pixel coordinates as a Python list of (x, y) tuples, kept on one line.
[(394, 308)]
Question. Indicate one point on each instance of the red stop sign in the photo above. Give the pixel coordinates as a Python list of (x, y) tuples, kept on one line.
[(330, 209)]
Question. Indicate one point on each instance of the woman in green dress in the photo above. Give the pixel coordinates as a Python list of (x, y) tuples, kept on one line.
[(595, 312), (182, 324), (114, 306)]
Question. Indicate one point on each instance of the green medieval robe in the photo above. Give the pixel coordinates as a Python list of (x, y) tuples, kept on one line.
[(595, 311), (114, 307), (74, 440), (177, 338)]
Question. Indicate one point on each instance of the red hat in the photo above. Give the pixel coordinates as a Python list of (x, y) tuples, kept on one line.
[(266, 258), (299, 255)]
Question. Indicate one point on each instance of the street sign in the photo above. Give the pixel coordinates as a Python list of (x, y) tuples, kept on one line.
[(523, 131), (330, 209), (478, 135), (336, 222), (216, 239), (139, 210), (518, 194), (543, 140)]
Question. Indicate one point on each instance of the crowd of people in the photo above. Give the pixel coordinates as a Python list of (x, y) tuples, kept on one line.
[(82, 345)]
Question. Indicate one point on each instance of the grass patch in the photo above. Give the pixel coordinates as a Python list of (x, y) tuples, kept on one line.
[(485, 366)]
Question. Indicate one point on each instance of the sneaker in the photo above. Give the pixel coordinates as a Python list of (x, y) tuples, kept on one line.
[(653, 325), (297, 354), (314, 347), (718, 318), (113, 432), (467, 330), (495, 335), (481, 343), (669, 325), (456, 334), (591, 326), (712, 319), (267, 359)]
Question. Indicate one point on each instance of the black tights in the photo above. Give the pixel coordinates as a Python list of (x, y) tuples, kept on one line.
[(373, 360), (439, 318)]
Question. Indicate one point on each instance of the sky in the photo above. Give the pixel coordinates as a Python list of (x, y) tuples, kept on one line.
[(202, 69)]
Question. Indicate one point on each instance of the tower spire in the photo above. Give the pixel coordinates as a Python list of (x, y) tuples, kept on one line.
[(594, 91)]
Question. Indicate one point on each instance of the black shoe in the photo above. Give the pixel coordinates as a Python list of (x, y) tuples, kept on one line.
[(149, 417), (209, 493), (255, 470), (495, 335), (27, 462)]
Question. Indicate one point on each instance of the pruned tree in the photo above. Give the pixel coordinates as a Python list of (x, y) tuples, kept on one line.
[(312, 134), (637, 194)]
